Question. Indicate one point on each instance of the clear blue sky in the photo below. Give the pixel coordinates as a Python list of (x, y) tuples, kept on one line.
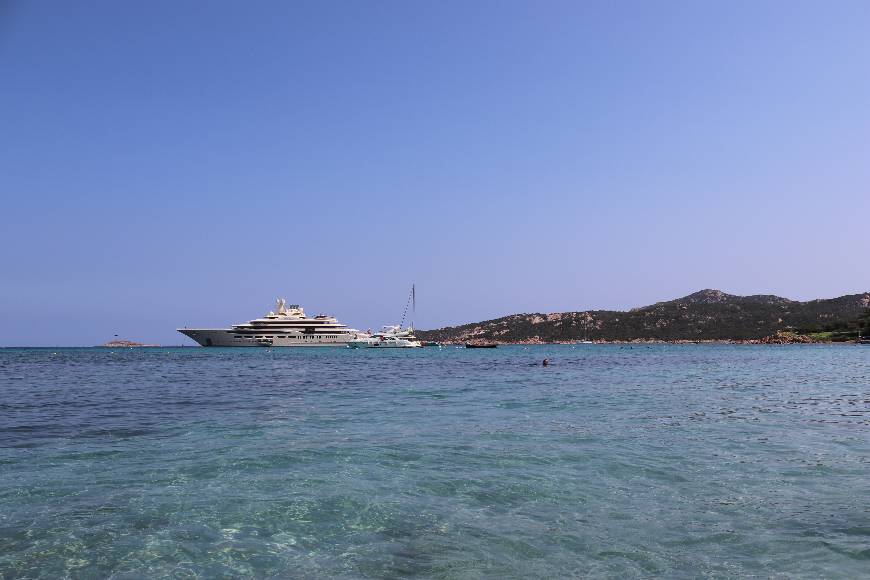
[(183, 163)]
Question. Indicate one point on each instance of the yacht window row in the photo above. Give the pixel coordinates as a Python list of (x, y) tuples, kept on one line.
[(278, 336)]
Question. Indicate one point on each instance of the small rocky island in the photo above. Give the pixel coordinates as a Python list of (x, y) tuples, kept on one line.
[(126, 344)]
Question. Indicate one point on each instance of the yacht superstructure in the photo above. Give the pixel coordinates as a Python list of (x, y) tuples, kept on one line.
[(288, 325)]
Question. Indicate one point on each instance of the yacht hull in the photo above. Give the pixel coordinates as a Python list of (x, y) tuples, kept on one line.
[(374, 343), (223, 337)]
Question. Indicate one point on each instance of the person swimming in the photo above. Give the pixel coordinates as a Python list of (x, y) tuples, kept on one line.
[(546, 362)]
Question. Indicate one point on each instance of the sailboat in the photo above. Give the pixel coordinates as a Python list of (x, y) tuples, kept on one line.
[(391, 336)]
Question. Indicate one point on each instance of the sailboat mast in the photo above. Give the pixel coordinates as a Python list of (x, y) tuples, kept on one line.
[(412, 298)]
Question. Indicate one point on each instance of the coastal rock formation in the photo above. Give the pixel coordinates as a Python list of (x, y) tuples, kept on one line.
[(707, 315), (126, 344), (786, 338)]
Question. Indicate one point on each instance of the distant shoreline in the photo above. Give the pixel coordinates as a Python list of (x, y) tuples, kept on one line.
[(706, 316), (462, 344), (759, 342)]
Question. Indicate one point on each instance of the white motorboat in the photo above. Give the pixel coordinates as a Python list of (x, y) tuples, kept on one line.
[(389, 337)]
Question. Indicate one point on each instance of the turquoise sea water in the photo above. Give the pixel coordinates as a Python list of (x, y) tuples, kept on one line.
[(618, 461)]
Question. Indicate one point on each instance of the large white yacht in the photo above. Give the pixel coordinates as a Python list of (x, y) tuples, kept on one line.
[(287, 326)]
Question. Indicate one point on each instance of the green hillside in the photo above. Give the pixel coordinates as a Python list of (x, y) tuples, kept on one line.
[(704, 315), (840, 331)]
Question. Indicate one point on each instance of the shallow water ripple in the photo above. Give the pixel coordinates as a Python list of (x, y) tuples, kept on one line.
[(678, 461)]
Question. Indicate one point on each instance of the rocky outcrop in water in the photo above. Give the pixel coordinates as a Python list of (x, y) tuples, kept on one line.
[(126, 344)]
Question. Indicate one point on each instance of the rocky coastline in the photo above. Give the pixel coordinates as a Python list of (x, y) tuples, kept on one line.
[(774, 339), (707, 316)]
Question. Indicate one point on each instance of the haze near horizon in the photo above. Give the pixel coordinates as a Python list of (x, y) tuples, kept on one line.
[(169, 165)]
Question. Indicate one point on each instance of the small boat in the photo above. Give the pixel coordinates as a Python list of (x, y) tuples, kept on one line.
[(481, 345), (392, 336), (389, 337)]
